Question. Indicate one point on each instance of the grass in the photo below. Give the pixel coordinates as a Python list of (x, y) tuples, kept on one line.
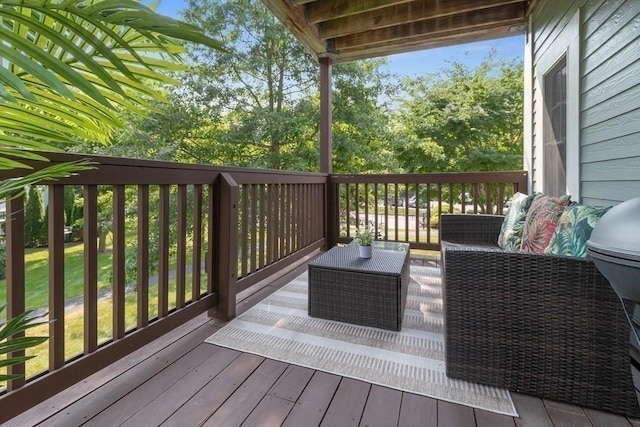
[(37, 274), (74, 325), (37, 296)]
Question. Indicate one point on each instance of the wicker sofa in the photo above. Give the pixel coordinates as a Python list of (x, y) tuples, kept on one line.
[(545, 325)]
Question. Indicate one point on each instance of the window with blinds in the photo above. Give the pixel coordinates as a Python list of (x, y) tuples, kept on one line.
[(555, 129)]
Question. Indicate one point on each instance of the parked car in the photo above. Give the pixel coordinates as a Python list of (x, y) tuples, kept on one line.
[(467, 198), (413, 202), (392, 201)]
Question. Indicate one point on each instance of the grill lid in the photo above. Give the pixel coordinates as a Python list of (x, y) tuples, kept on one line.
[(615, 248), (617, 233)]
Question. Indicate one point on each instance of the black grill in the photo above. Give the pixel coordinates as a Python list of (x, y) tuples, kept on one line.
[(614, 247)]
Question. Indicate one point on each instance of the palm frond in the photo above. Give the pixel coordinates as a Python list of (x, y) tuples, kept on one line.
[(67, 67), (19, 324)]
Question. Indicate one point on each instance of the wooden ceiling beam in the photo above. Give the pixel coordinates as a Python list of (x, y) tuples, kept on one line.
[(496, 16), (326, 10), (294, 19), (418, 10), (419, 43)]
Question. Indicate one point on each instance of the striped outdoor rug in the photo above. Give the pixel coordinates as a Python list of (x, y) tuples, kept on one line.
[(411, 360)]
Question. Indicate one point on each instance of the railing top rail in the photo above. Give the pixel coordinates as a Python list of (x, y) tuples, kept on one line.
[(122, 170), (435, 178)]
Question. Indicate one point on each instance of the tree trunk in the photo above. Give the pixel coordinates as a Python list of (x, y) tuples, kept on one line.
[(102, 242)]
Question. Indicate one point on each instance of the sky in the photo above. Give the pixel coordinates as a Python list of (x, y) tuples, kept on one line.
[(417, 63)]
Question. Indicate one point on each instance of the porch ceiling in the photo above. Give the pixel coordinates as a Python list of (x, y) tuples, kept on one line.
[(348, 30)]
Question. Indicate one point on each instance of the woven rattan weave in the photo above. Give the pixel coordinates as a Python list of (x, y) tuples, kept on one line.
[(545, 325), (369, 292)]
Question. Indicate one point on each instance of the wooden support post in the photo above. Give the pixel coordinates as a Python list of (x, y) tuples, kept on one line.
[(325, 115), (326, 149), (227, 242)]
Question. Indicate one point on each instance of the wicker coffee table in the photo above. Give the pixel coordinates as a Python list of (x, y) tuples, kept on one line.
[(369, 292)]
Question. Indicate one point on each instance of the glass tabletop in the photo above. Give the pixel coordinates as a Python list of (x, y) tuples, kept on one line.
[(386, 245)]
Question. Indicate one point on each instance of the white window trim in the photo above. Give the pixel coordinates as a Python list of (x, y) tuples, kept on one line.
[(567, 43)]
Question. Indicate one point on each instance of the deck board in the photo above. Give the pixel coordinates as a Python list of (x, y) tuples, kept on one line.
[(209, 398), (604, 419), (176, 395), (180, 380), (454, 415), (101, 398), (347, 405), (382, 408), (126, 407), (292, 383), (565, 415), (418, 411), (271, 411), (314, 401), (240, 404), (532, 411), (491, 419)]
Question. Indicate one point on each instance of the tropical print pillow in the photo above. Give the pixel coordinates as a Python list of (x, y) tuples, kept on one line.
[(574, 229), (510, 238), (541, 221)]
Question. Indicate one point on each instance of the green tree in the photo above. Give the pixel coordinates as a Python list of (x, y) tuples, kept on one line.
[(69, 204), (255, 85), (258, 105), (33, 217), (3, 262), (464, 119), (362, 137)]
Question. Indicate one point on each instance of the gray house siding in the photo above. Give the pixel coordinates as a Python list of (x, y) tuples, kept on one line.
[(547, 24), (609, 93)]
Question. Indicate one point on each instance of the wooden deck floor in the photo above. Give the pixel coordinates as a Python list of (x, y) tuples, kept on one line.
[(180, 381)]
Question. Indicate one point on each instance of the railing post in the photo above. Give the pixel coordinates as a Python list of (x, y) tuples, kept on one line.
[(523, 183), (332, 227), (326, 150), (227, 246), (56, 276), (15, 277)]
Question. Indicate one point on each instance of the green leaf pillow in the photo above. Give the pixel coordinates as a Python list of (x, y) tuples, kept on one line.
[(541, 222), (574, 229), (510, 237)]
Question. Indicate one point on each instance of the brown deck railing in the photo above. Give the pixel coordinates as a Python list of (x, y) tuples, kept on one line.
[(219, 231), (226, 228), (406, 207), (279, 215)]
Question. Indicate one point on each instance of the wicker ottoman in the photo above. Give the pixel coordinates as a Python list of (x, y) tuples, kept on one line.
[(369, 292)]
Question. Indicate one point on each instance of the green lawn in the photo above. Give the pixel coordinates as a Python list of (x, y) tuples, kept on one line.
[(37, 274), (74, 325), (37, 294)]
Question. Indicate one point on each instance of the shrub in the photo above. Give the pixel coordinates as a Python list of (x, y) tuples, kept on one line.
[(3, 261), (434, 221), (33, 217)]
